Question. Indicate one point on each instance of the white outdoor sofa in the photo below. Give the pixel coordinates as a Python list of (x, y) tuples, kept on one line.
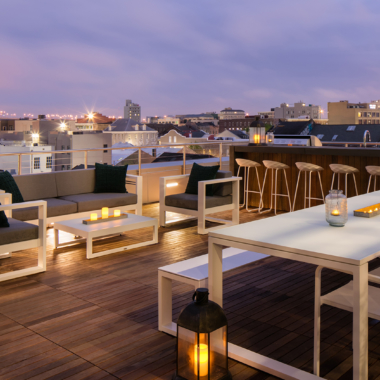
[(21, 235), (225, 198), (71, 194)]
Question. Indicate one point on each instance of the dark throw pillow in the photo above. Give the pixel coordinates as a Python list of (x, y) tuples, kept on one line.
[(201, 173), (8, 184), (3, 219), (110, 179)]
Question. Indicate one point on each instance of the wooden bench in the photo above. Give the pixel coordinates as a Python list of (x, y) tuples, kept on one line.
[(193, 272)]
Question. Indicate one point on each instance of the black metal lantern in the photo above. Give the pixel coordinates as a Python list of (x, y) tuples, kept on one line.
[(257, 133), (202, 340)]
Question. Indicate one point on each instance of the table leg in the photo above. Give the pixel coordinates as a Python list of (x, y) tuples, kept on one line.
[(360, 323), (165, 307), (89, 247), (56, 238), (155, 233), (215, 272)]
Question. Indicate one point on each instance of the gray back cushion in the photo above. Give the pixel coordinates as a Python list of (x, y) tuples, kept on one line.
[(36, 186), (74, 182), (223, 189)]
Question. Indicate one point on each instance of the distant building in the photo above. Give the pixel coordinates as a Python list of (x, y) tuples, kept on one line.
[(229, 114), (299, 110), (202, 117), (234, 124), (232, 136), (350, 133), (133, 132), (132, 111), (40, 162), (167, 120), (344, 112), (162, 129), (267, 114), (174, 137)]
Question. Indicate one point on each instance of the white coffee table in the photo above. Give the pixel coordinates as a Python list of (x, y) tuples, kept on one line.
[(99, 230)]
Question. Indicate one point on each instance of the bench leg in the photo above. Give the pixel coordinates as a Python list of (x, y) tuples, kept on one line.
[(165, 307)]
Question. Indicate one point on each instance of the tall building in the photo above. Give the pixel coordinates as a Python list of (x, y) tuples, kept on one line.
[(229, 114), (132, 111), (298, 111), (344, 112)]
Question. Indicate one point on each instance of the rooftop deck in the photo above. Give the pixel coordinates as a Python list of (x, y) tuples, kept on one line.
[(97, 319)]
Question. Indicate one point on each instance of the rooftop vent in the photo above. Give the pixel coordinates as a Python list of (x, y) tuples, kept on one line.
[(334, 138), (351, 127)]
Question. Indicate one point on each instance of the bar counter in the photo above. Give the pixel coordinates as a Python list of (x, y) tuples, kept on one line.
[(322, 156)]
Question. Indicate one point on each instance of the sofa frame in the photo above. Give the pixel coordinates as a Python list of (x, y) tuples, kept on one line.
[(202, 212), (6, 249)]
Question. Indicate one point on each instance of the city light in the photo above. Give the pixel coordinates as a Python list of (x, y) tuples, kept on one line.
[(63, 125), (90, 115)]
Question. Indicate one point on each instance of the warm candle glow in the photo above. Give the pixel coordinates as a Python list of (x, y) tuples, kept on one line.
[(335, 212), (94, 216), (370, 211), (104, 212), (256, 139), (116, 213), (203, 360)]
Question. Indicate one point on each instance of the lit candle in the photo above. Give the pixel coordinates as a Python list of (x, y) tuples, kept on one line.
[(370, 211), (94, 216), (116, 213), (203, 360), (104, 212), (335, 212), (256, 139)]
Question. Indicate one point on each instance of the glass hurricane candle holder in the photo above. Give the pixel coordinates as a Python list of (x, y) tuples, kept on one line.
[(257, 135), (270, 138), (336, 208)]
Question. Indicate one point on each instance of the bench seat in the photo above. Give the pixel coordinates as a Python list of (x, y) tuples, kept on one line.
[(193, 272), (93, 201), (18, 231), (190, 201), (55, 207)]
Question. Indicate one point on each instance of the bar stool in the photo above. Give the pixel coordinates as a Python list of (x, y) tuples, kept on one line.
[(308, 168), (274, 166), (373, 171), (346, 170), (247, 165)]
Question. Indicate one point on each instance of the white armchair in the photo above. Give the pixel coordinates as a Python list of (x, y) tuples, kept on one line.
[(200, 206), (21, 235)]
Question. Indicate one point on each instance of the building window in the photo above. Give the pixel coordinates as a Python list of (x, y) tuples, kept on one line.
[(364, 114), (49, 162), (320, 137), (63, 147), (170, 139), (36, 164), (105, 146), (359, 114), (175, 139), (334, 138), (69, 167), (360, 121)]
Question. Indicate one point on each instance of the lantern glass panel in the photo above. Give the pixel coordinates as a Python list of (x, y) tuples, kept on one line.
[(336, 208), (218, 353), (187, 341)]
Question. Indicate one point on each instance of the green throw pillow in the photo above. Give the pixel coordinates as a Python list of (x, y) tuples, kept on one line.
[(201, 173), (8, 184), (3, 219), (110, 179)]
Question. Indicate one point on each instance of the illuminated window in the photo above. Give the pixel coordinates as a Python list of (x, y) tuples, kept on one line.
[(359, 114), (36, 164)]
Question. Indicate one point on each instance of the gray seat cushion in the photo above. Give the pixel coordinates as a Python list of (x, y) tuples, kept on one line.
[(18, 231), (190, 201), (223, 189), (55, 207), (95, 201)]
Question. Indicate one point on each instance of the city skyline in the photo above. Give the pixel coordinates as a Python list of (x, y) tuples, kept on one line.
[(177, 58)]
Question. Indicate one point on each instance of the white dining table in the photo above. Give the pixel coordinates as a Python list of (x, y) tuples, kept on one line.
[(305, 236)]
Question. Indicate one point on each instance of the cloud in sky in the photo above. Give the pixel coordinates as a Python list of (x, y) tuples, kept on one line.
[(175, 56)]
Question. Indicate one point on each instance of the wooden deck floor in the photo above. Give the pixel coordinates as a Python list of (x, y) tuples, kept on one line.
[(97, 319)]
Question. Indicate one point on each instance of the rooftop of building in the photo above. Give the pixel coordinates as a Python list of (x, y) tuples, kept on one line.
[(128, 125)]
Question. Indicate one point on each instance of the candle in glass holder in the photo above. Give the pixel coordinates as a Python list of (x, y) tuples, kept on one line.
[(203, 360), (116, 213), (104, 212), (335, 212), (94, 216), (256, 139)]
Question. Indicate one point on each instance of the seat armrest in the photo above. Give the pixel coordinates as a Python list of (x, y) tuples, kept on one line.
[(374, 278), (218, 180), (172, 177), (5, 199)]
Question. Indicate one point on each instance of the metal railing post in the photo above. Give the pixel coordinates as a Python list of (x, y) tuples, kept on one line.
[(85, 159), (220, 155), (19, 164), (184, 159), (139, 161)]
